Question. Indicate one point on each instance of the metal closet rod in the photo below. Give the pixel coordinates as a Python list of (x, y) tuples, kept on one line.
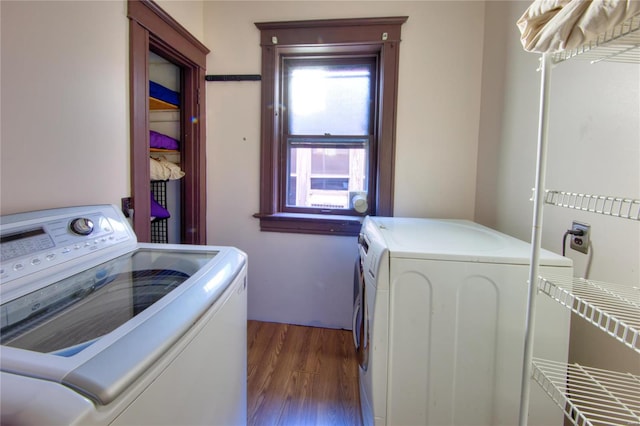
[(233, 77)]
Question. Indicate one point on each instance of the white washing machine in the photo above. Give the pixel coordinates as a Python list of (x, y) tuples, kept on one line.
[(439, 324), (98, 329)]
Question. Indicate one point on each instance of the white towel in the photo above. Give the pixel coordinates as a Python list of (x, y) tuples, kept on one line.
[(162, 169)]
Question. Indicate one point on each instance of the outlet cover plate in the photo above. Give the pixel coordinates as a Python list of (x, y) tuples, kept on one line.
[(126, 205), (581, 242)]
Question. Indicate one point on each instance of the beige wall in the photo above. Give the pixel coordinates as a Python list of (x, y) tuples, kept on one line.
[(65, 117), (189, 13), (594, 148), (308, 278)]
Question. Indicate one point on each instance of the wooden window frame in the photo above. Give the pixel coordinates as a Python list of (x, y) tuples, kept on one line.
[(380, 36)]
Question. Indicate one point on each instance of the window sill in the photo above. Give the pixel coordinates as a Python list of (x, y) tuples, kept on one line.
[(310, 223)]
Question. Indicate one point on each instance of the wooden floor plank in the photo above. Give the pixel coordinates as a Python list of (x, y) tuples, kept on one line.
[(265, 356), (276, 393), (299, 400), (301, 376), (335, 402), (306, 359), (259, 337)]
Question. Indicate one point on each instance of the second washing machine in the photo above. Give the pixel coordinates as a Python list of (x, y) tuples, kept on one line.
[(439, 323)]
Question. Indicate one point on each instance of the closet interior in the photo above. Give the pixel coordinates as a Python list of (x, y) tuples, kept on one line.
[(165, 148)]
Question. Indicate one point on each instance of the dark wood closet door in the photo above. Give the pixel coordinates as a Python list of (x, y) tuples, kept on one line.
[(150, 28)]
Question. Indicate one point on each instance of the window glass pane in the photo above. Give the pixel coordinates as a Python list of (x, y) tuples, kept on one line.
[(321, 177), (330, 161), (329, 99)]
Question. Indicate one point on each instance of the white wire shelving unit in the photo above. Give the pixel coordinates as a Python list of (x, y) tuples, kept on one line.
[(588, 396)]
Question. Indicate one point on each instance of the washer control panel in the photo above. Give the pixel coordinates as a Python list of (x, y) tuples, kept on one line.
[(34, 241)]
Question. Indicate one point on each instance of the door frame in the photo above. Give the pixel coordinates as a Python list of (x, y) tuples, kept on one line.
[(151, 28)]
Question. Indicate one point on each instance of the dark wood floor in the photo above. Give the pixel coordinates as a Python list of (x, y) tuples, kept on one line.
[(301, 376)]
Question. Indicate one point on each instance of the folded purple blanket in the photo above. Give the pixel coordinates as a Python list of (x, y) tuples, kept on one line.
[(158, 140), (157, 211)]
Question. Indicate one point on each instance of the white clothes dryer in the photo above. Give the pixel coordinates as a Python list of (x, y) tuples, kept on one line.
[(439, 324)]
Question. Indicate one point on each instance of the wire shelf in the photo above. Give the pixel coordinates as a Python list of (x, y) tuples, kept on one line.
[(620, 44), (626, 208), (590, 396), (613, 308), (159, 227)]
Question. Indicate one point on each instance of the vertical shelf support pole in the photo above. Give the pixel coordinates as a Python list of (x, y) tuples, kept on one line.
[(536, 235)]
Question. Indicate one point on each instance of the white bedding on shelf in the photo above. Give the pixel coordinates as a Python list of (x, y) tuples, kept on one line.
[(161, 169), (556, 25)]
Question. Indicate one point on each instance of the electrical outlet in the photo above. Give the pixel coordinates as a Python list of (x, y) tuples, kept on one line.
[(126, 206), (581, 242)]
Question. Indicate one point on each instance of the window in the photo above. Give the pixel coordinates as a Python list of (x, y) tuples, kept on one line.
[(330, 140), (327, 133)]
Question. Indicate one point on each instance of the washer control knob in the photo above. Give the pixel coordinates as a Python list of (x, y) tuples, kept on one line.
[(81, 226)]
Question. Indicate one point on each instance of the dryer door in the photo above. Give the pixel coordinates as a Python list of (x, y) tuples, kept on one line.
[(360, 327), (357, 305)]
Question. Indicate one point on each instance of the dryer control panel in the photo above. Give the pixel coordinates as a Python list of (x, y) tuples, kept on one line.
[(34, 241), (371, 248)]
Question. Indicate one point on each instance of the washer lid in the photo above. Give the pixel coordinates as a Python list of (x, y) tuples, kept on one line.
[(460, 240), (67, 316)]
